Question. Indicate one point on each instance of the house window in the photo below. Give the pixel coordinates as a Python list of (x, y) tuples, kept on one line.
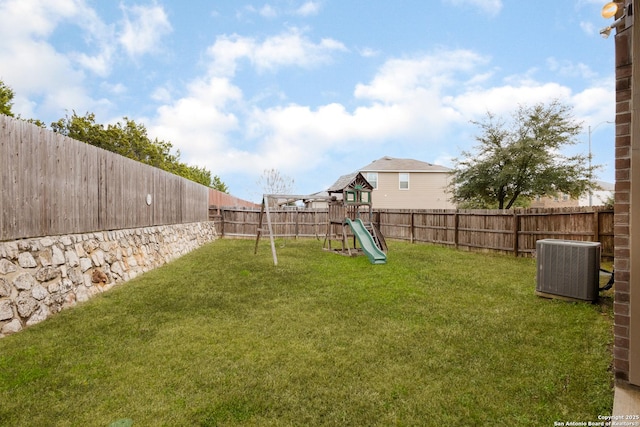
[(404, 181), (372, 177)]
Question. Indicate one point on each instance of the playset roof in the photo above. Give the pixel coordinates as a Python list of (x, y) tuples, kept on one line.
[(352, 180)]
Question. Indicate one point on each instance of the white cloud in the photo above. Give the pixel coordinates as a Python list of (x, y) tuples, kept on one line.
[(489, 7), (567, 68), (99, 36), (25, 19), (593, 104), (290, 48), (116, 88), (596, 103), (294, 49), (268, 11), (25, 53), (479, 79), (308, 8), (143, 28), (63, 87), (505, 99), (368, 52), (590, 2), (588, 27), (162, 94), (398, 78), (403, 102), (227, 51), (99, 64), (199, 123)]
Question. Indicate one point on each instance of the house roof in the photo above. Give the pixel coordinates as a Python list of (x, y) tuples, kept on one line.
[(391, 164), (605, 186)]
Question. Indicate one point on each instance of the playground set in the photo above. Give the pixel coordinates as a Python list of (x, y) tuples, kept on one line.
[(350, 227)]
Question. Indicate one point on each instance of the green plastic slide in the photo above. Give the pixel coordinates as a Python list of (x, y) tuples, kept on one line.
[(375, 255)]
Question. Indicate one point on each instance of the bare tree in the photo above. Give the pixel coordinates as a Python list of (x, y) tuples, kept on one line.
[(273, 182)]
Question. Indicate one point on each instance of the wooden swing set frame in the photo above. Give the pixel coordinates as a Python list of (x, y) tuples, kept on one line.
[(280, 200)]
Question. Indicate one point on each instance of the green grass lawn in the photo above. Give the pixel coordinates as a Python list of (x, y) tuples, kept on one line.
[(436, 337)]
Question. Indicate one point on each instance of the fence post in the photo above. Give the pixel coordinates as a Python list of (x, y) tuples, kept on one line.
[(456, 222), (516, 228), (412, 227), (314, 214), (596, 226)]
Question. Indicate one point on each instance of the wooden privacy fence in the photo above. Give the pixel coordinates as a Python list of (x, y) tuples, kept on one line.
[(221, 200), (53, 185), (514, 231)]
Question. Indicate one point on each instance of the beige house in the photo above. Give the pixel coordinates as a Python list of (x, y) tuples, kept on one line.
[(602, 196), (559, 201), (599, 197), (408, 184)]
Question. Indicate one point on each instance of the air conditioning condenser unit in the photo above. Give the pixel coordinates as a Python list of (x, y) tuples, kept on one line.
[(568, 269)]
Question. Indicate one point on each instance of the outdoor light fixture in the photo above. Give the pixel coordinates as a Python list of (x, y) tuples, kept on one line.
[(609, 10)]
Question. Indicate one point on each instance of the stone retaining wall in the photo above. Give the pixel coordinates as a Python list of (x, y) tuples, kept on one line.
[(42, 276)]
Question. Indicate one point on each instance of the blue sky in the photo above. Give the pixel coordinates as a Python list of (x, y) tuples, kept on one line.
[(313, 88)]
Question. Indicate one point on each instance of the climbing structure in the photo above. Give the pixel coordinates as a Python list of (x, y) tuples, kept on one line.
[(350, 228)]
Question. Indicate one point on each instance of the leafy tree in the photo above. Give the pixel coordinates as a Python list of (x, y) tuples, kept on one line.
[(6, 104), (217, 183), (6, 99), (130, 139), (127, 139), (36, 122), (518, 161)]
